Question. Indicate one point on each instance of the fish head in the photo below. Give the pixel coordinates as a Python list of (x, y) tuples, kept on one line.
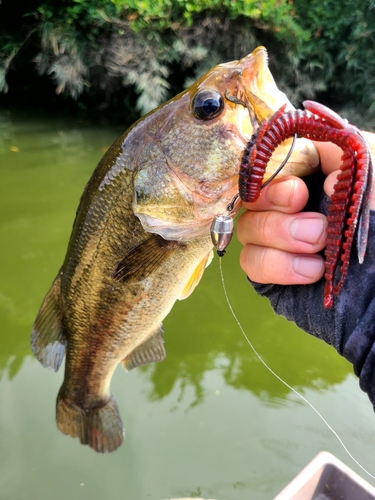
[(192, 146)]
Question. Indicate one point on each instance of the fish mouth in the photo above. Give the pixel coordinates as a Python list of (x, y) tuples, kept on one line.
[(262, 98), (257, 96), (245, 124), (260, 89)]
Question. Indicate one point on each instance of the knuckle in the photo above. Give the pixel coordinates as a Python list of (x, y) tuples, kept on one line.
[(264, 226), (269, 265), (254, 262)]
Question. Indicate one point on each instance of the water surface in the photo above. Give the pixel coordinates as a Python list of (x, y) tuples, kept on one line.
[(208, 421)]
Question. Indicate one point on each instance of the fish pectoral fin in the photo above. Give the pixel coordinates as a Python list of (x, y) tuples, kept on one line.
[(48, 341), (144, 258), (150, 351), (196, 276)]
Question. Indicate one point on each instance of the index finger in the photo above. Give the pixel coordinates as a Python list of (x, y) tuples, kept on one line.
[(287, 195), (330, 154)]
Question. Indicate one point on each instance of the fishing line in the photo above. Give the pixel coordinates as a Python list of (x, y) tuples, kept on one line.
[(283, 381)]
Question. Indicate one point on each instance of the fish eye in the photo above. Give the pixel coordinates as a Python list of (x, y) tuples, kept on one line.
[(207, 104)]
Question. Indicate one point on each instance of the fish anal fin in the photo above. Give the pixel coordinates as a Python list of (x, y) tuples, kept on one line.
[(144, 258), (196, 277), (48, 341), (101, 428), (150, 351)]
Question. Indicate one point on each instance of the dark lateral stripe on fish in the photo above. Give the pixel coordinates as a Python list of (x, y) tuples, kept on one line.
[(144, 258)]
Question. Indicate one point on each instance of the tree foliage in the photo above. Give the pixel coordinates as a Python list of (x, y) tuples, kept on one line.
[(340, 48), (95, 48)]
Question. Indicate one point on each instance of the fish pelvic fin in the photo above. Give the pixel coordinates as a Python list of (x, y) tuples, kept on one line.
[(144, 258), (48, 341), (196, 276), (150, 351), (100, 428)]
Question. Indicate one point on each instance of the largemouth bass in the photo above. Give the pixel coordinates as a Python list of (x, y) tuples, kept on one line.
[(141, 238)]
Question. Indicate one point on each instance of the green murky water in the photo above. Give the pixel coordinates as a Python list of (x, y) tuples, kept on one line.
[(209, 421)]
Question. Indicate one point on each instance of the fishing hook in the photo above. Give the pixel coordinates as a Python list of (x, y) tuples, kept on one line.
[(283, 163), (222, 226)]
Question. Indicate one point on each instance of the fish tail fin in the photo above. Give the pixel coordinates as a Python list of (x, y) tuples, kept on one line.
[(100, 428), (48, 341)]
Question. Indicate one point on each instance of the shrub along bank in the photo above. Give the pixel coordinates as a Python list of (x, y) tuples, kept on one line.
[(129, 56)]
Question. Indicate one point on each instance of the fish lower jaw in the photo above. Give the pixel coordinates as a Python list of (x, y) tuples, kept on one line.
[(194, 225), (173, 230)]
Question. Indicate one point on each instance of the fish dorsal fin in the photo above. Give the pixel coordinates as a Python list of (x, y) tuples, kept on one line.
[(150, 351), (145, 258), (48, 341), (196, 276)]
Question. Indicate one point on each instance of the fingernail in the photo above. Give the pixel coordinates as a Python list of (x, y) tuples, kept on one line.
[(307, 230), (280, 193), (309, 267)]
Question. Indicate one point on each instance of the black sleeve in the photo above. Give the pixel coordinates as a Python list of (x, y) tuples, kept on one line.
[(349, 326)]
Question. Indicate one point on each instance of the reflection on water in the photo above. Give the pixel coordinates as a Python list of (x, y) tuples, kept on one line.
[(214, 341), (209, 421), (44, 166)]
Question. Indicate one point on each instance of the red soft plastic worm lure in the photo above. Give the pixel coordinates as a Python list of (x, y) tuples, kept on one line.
[(352, 191)]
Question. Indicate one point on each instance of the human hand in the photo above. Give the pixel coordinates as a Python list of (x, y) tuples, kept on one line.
[(280, 242)]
